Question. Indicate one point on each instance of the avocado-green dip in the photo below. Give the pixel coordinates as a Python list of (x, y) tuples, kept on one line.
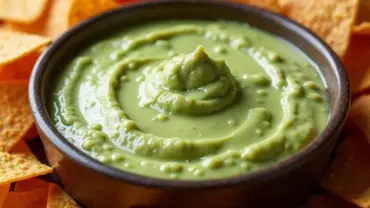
[(189, 100)]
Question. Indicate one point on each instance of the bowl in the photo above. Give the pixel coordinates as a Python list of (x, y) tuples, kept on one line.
[(97, 185)]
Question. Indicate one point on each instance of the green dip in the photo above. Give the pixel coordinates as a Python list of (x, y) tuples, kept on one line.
[(189, 100)]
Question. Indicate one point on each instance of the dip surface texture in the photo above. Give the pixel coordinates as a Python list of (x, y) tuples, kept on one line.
[(189, 100)]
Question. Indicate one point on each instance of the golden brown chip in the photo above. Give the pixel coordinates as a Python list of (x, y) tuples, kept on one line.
[(326, 200), (57, 198), (25, 11), (20, 164), (30, 184), (52, 23), (357, 63), (332, 20), (29, 199), (15, 45), (83, 9), (360, 114), (4, 193), (16, 118), (272, 5), (348, 175)]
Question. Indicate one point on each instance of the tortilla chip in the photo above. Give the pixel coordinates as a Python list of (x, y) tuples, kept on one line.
[(16, 118), (20, 164), (4, 193), (83, 9), (332, 20), (51, 24), (20, 69), (272, 5), (29, 199), (362, 26), (15, 45), (25, 11), (57, 198), (30, 184), (348, 175), (31, 134), (360, 114)]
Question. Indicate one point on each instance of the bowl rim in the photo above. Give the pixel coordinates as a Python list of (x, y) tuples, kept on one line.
[(275, 170)]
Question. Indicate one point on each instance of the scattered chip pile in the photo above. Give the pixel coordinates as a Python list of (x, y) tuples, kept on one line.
[(28, 26)]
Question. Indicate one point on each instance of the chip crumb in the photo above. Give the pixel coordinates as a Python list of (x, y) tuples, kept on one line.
[(58, 198), (35, 198), (332, 20), (26, 11), (348, 175), (15, 113), (20, 164), (83, 9)]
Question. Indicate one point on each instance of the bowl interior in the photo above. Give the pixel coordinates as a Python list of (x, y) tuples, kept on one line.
[(70, 43)]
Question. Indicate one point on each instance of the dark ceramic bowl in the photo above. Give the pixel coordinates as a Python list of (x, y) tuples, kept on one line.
[(96, 185)]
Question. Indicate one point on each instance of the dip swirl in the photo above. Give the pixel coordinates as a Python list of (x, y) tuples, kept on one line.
[(189, 99)]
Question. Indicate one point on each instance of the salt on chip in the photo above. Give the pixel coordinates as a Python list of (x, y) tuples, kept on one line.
[(25, 11), (348, 175), (16, 118), (360, 114), (20, 164), (4, 189), (357, 63), (332, 20), (51, 24), (58, 198), (272, 5), (30, 184), (29, 199), (15, 45), (83, 9)]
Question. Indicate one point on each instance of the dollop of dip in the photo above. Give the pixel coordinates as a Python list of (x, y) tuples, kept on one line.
[(189, 100)]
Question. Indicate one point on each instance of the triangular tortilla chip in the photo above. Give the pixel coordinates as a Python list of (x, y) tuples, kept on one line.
[(16, 118), (25, 11), (20, 164), (360, 114), (57, 198), (29, 199), (332, 20), (51, 24), (30, 184), (15, 45), (348, 176), (4, 189), (83, 9)]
